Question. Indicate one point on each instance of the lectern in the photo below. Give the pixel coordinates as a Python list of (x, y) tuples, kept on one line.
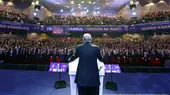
[(72, 72)]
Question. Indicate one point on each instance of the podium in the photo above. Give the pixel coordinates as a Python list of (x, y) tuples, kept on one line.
[(72, 73)]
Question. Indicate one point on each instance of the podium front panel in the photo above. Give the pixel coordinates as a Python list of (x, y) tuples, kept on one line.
[(73, 86)]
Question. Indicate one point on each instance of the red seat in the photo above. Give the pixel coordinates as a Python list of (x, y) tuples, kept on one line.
[(107, 61), (118, 60), (157, 61), (58, 59), (143, 60), (130, 60), (124, 60), (137, 60), (51, 59), (113, 60)]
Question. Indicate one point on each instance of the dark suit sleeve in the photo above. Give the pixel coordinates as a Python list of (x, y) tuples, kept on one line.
[(75, 56), (99, 56)]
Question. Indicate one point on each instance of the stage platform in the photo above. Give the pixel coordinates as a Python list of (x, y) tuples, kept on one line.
[(20, 82)]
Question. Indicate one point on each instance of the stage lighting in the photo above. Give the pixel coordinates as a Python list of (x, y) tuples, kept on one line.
[(131, 2), (37, 2), (95, 13), (10, 4), (151, 4), (134, 13), (36, 9), (78, 4), (1, 2), (61, 10), (72, 9), (34, 14), (72, 2), (73, 14)]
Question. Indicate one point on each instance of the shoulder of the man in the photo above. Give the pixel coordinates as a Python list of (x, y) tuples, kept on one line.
[(95, 46), (78, 46)]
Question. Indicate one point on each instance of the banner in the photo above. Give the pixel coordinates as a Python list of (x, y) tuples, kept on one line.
[(19, 26), (60, 29), (30, 27), (97, 28), (150, 26), (62, 67)]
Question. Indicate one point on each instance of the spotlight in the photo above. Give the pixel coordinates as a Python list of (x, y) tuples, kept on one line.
[(85, 7), (34, 14), (1, 2), (72, 2), (33, 3), (61, 10), (134, 13), (95, 13), (72, 9)]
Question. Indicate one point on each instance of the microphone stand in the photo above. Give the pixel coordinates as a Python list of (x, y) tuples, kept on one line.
[(60, 83), (110, 84), (59, 71), (111, 73)]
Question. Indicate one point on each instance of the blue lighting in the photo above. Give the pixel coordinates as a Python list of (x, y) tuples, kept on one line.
[(72, 9), (61, 10), (134, 13)]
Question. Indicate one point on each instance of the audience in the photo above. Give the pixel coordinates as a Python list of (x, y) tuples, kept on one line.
[(10, 15), (149, 52)]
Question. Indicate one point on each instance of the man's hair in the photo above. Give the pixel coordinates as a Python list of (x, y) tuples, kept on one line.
[(87, 37)]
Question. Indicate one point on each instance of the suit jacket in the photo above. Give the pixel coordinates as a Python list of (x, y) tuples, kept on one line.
[(87, 71)]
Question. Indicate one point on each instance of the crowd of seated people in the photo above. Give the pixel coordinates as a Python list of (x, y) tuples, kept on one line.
[(152, 17), (104, 20), (85, 20), (14, 16), (10, 15), (115, 51)]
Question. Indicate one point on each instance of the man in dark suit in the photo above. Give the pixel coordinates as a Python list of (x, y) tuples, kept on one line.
[(87, 76)]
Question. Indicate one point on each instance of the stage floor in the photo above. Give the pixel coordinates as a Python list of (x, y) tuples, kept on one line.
[(16, 82)]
